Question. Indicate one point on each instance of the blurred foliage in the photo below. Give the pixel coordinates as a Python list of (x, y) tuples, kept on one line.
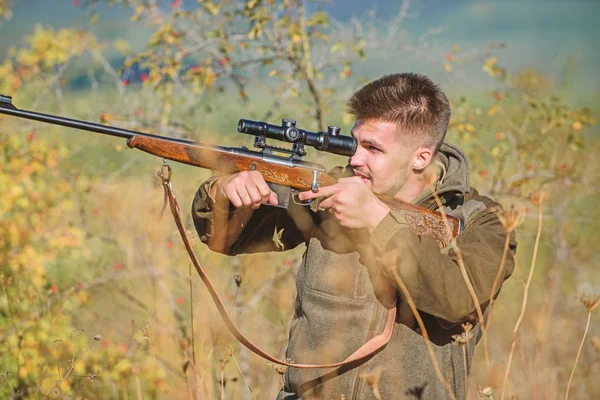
[(5, 12), (79, 245), (202, 51), (533, 132), (42, 352), (34, 236), (45, 58)]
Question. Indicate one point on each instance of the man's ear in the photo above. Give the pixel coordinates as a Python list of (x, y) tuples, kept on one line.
[(421, 158)]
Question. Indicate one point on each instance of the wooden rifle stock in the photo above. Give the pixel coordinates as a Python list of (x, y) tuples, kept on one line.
[(299, 176)]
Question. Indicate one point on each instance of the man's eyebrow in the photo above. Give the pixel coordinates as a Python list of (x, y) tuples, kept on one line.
[(371, 142)]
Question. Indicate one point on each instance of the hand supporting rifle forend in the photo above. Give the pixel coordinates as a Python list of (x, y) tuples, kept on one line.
[(283, 172)]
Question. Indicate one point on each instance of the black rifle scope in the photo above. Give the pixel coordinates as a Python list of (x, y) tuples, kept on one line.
[(330, 141)]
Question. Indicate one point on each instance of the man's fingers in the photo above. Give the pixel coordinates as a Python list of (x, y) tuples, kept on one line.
[(327, 203), (234, 198), (260, 183), (349, 179), (265, 192), (244, 196), (273, 199), (323, 192), (267, 195), (255, 196)]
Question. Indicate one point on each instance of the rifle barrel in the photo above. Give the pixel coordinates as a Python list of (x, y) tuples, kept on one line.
[(6, 107)]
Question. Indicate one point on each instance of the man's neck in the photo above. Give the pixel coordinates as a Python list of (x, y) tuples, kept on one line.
[(417, 183)]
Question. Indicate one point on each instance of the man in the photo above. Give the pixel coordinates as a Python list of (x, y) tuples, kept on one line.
[(355, 243)]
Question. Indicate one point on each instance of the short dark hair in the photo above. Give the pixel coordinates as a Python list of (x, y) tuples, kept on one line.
[(417, 105)]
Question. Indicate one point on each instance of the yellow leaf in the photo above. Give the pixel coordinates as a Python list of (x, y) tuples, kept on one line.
[(23, 203), (211, 8), (63, 187), (447, 66), (577, 125), (122, 46), (82, 297), (14, 236), (42, 336), (337, 46), (123, 365), (272, 73), (79, 368), (495, 152), (493, 110), (277, 238)]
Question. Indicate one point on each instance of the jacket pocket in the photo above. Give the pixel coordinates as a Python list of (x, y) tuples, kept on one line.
[(338, 275)]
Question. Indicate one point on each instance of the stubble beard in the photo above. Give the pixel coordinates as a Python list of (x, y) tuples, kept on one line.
[(387, 186), (391, 186)]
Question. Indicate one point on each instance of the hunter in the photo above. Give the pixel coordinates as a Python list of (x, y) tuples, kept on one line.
[(356, 246)]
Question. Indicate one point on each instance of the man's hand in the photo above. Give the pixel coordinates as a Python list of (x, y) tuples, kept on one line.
[(244, 189), (351, 202)]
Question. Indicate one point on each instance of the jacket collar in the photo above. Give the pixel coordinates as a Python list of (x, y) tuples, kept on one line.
[(453, 176)]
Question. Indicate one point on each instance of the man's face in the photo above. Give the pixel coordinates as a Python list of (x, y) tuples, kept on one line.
[(380, 160)]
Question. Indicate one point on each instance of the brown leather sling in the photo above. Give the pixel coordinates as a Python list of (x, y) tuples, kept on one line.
[(365, 351)]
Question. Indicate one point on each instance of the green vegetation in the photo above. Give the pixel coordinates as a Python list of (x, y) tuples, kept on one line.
[(96, 299)]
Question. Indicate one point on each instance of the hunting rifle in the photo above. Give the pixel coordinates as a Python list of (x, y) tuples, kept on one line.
[(283, 172), (288, 171)]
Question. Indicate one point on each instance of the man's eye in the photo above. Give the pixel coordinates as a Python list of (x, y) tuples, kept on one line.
[(373, 149)]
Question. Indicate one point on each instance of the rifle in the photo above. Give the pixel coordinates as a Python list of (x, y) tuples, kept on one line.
[(289, 172), (285, 174)]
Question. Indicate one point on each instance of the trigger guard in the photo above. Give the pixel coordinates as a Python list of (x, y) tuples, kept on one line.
[(303, 203)]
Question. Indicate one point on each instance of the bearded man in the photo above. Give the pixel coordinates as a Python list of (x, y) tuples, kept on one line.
[(355, 245)]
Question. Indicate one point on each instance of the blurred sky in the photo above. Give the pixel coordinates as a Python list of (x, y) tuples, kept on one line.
[(552, 35)]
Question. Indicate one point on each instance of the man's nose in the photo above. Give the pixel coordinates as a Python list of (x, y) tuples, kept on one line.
[(358, 159)]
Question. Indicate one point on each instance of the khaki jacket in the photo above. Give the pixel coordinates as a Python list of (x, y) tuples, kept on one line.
[(336, 309)]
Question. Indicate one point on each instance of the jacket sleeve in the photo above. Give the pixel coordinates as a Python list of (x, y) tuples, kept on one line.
[(232, 231), (432, 275)]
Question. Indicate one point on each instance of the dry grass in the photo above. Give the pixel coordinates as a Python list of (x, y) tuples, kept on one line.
[(161, 295), (145, 243), (162, 254)]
